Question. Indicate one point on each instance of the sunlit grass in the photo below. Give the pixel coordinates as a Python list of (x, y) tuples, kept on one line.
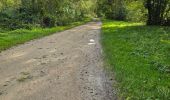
[(139, 55)]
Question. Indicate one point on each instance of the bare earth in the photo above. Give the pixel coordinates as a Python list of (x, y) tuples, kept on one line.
[(64, 66)]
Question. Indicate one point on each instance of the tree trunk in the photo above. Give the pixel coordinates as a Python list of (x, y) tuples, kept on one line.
[(156, 10)]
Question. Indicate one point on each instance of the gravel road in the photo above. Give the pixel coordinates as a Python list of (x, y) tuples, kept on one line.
[(64, 66)]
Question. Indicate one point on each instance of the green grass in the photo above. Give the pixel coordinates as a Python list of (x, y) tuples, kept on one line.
[(12, 38), (139, 56)]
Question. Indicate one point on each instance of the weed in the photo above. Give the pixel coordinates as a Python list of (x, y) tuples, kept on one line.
[(24, 76)]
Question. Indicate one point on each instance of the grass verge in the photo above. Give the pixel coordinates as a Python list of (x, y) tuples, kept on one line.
[(139, 55), (12, 38)]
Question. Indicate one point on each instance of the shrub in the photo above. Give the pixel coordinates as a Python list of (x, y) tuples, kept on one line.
[(48, 21), (11, 19)]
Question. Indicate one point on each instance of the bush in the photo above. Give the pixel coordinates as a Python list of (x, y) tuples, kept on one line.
[(120, 15), (48, 21), (136, 12), (62, 21), (11, 19)]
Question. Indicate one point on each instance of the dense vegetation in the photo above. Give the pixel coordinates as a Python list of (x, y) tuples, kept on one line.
[(139, 55), (16, 14), (154, 12)]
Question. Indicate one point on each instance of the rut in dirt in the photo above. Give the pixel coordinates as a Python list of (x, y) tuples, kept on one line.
[(64, 66)]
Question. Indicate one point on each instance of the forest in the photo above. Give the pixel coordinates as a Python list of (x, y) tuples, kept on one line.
[(15, 14), (135, 37)]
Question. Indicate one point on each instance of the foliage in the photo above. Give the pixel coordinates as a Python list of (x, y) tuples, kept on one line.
[(139, 56), (16, 14), (136, 11), (112, 9), (155, 12), (130, 10)]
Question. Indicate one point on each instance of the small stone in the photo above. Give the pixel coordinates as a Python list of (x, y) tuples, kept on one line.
[(44, 56), (5, 85), (91, 92), (42, 72), (1, 93), (43, 63)]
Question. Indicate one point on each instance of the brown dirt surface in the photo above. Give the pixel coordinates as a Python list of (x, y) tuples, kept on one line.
[(64, 66)]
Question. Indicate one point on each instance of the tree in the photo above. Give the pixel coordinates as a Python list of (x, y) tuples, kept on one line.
[(156, 11), (16, 14)]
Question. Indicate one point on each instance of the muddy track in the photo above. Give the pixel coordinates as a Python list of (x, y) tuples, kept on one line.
[(64, 66)]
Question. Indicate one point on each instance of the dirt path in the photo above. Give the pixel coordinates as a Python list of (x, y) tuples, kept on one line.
[(63, 66)]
